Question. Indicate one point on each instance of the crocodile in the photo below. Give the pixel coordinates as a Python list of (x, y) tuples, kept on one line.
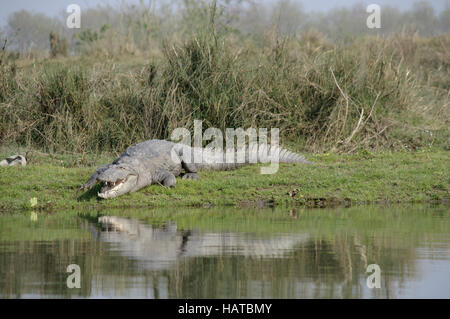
[(160, 161), (159, 247)]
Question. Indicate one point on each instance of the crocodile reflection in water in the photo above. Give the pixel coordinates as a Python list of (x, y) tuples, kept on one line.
[(161, 247)]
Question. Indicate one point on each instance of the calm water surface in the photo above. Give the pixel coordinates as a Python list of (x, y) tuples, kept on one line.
[(227, 253)]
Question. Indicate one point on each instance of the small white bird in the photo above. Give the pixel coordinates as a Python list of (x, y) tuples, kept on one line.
[(14, 161)]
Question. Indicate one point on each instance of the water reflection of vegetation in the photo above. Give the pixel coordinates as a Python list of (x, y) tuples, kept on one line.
[(23, 227), (331, 263)]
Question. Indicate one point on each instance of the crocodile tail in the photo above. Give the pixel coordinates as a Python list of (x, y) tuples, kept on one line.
[(231, 159), (266, 153)]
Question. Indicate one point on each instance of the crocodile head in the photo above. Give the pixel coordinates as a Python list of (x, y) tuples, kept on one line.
[(117, 180)]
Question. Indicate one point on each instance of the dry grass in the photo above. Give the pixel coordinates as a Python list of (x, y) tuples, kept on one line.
[(372, 93)]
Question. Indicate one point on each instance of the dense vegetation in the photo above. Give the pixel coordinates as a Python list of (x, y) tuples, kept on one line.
[(139, 29), (372, 92)]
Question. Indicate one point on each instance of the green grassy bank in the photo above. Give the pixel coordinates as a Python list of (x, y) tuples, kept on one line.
[(372, 112), (335, 179)]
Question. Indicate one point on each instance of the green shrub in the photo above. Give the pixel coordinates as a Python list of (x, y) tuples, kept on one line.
[(371, 93)]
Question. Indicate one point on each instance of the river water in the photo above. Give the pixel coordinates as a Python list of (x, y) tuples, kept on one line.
[(227, 253)]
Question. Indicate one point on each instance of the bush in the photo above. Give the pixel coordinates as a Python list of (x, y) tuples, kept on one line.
[(58, 46), (371, 93)]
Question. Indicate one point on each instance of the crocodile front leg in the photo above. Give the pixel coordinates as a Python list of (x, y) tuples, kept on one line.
[(165, 178), (191, 170)]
